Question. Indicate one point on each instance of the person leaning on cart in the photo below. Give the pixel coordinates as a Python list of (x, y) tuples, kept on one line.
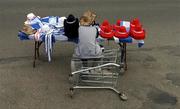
[(88, 47)]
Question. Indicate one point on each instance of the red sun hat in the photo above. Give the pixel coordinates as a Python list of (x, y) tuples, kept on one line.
[(117, 25), (138, 32), (106, 32), (105, 23), (134, 22), (118, 22), (121, 32)]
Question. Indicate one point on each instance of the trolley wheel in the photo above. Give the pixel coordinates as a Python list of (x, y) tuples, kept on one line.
[(71, 92), (122, 71), (70, 78), (125, 67), (123, 96)]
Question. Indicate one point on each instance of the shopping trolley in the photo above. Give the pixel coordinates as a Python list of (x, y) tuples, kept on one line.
[(97, 73)]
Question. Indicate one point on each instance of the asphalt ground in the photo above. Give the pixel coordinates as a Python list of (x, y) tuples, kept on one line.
[(152, 80)]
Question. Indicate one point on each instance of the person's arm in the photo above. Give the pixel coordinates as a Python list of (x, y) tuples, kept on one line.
[(97, 32)]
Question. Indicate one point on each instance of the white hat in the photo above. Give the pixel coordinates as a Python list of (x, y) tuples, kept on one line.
[(61, 21), (30, 16)]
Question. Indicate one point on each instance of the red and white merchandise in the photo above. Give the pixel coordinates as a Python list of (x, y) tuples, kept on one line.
[(106, 30), (121, 32), (138, 32)]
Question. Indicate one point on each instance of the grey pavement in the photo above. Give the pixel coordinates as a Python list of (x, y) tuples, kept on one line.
[(152, 80)]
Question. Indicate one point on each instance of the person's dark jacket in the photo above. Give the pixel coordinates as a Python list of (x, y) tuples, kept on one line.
[(71, 25)]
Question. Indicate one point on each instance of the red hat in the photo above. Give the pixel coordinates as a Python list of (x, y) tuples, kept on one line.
[(138, 32), (134, 22), (105, 23), (121, 32), (118, 22), (106, 32), (117, 25)]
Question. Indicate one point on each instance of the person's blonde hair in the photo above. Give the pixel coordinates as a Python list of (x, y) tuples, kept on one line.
[(90, 14), (85, 21)]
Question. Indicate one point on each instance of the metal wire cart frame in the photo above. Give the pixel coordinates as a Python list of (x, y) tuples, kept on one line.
[(98, 73)]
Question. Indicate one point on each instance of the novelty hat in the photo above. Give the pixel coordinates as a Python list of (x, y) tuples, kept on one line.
[(134, 22), (138, 32), (30, 16), (121, 32), (118, 22), (61, 22), (117, 25), (105, 23), (106, 32)]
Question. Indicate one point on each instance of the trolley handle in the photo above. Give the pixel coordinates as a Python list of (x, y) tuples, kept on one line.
[(93, 68)]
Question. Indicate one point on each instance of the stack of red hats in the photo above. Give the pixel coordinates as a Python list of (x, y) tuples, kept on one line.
[(134, 22), (136, 30), (105, 23), (106, 30), (118, 23), (120, 31)]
